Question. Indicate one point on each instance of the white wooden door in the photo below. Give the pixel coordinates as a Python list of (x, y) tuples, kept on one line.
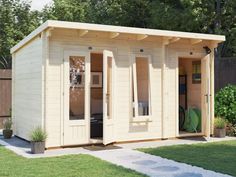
[(205, 92), (108, 99), (76, 97)]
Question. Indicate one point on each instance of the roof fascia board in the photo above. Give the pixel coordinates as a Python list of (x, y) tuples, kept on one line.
[(132, 30), (116, 29)]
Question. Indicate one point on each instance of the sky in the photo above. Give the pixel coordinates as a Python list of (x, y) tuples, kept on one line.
[(39, 4)]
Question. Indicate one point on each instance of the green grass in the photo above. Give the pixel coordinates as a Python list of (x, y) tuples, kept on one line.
[(219, 157), (12, 165)]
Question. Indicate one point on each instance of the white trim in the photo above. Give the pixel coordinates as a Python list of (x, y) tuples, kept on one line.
[(45, 62), (116, 29), (86, 121), (163, 91), (179, 55), (108, 120), (177, 97), (133, 79)]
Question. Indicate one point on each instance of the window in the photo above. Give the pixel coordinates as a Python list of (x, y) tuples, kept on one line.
[(141, 87), (109, 87), (96, 79), (196, 72), (77, 90)]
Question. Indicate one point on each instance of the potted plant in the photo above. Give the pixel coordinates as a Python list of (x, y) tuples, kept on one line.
[(7, 129), (38, 137), (219, 127)]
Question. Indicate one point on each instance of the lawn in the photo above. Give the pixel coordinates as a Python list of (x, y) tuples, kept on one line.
[(12, 165), (219, 157)]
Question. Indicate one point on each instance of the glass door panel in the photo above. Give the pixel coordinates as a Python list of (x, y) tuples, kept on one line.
[(109, 87), (77, 88)]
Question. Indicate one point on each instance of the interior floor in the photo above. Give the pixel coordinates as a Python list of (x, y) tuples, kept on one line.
[(189, 96), (96, 100)]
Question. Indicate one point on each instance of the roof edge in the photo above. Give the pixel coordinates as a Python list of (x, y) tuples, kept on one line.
[(119, 29), (30, 36)]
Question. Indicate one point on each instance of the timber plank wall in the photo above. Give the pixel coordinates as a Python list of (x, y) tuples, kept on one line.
[(5, 95), (225, 72)]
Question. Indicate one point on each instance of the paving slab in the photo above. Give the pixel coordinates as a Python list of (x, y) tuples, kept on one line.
[(127, 157), (153, 166)]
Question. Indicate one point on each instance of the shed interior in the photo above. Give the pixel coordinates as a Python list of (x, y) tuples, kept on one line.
[(189, 96)]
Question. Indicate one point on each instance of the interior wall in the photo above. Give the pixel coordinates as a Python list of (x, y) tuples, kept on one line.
[(142, 72), (96, 93), (193, 90)]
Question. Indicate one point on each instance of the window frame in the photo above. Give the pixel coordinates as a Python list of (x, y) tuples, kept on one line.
[(79, 86), (194, 81), (135, 117)]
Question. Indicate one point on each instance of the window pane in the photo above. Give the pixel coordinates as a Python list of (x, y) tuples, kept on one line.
[(133, 100), (142, 73), (196, 72), (109, 86), (77, 90)]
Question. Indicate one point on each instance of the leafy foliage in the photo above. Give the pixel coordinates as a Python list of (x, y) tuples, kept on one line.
[(66, 10), (225, 103), (38, 135), (7, 124), (219, 123), (16, 21), (230, 129), (5, 62)]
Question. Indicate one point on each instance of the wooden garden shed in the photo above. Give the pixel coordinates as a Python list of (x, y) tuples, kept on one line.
[(89, 83)]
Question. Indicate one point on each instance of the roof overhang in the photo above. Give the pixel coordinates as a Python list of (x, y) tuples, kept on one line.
[(116, 30)]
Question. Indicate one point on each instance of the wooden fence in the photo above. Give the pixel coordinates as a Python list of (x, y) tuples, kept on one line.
[(225, 72), (5, 94)]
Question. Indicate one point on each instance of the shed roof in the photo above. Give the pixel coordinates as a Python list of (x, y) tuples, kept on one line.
[(116, 29)]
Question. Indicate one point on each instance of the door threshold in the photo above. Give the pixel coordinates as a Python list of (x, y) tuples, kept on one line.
[(95, 141), (186, 134)]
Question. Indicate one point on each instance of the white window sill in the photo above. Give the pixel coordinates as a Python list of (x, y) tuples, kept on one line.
[(141, 119)]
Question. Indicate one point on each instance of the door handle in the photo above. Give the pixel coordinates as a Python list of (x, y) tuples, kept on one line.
[(107, 97), (206, 95)]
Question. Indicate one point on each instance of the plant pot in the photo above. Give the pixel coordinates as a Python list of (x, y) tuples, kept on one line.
[(7, 134), (37, 147), (219, 132)]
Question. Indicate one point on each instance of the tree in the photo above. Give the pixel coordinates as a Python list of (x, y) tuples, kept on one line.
[(228, 27), (66, 10), (198, 16), (16, 21), (112, 12), (108, 12)]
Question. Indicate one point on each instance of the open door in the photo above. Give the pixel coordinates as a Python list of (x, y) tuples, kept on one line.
[(108, 75), (205, 92)]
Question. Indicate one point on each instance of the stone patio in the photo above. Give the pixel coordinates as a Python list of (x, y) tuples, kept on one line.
[(151, 165), (127, 157)]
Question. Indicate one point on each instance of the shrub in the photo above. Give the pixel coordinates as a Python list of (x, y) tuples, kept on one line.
[(225, 103), (7, 124), (38, 135), (219, 123), (230, 129)]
